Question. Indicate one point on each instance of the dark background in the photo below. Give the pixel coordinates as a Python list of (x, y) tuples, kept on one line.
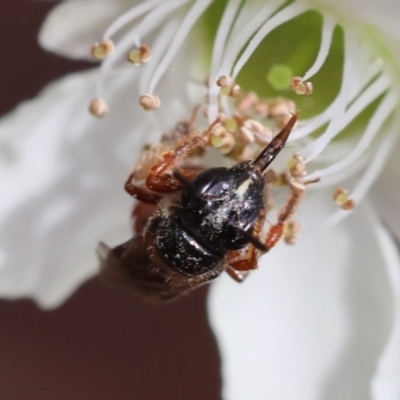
[(97, 345)]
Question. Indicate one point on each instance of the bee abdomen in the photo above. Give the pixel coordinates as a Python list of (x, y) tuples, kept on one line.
[(183, 252)]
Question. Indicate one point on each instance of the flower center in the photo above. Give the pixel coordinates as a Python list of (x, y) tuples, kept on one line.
[(348, 125)]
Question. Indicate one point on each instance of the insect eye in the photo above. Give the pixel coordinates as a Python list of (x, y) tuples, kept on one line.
[(208, 178)]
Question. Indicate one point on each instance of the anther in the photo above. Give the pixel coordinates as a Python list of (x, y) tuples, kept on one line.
[(228, 86), (230, 124), (291, 229), (281, 111), (140, 55), (262, 108), (247, 135), (222, 139), (103, 49), (296, 187), (98, 107), (247, 102), (300, 87), (342, 199), (149, 102), (296, 166)]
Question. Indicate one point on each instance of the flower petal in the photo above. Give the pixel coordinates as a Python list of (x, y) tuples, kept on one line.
[(312, 322), (382, 14), (62, 183), (386, 382), (386, 195), (69, 32)]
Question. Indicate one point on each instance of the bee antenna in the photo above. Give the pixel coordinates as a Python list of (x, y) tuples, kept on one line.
[(276, 145), (253, 240), (184, 181)]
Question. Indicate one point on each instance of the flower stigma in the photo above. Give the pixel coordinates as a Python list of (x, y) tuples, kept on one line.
[(257, 59)]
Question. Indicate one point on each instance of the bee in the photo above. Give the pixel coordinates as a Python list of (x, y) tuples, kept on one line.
[(192, 225)]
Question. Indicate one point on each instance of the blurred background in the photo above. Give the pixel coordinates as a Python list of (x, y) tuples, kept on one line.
[(97, 345)]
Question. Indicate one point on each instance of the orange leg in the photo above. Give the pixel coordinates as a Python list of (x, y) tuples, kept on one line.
[(240, 262), (157, 179), (140, 215), (238, 276), (276, 231), (138, 193)]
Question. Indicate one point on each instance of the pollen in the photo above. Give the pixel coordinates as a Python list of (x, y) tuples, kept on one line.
[(98, 107), (103, 49), (281, 110), (291, 229), (149, 102), (300, 87), (342, 199), (296, 166), (140, 55), (228, 86), (221, 139)]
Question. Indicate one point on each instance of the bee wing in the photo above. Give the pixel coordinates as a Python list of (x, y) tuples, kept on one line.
[(128, 268)]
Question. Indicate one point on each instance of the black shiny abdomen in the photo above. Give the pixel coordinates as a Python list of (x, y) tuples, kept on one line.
[(213, 214)]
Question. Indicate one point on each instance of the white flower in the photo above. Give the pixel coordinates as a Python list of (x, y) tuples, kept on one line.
[(318, 320)]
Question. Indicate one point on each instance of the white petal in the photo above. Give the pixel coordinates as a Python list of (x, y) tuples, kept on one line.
[(312, 322), (386, 194), (71, 28), (386, 382), (62, 183), (383, 14)]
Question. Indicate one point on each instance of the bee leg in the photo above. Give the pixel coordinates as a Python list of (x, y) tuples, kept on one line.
[(161, 182), (276, 231), (139, 193), (141, 214), (238, 276)]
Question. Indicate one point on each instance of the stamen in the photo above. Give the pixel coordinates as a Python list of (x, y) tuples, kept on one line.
[(140, 55), (290, 232), (190, 19), (301, 87), (373, 170), (129, 16), (103, 49), (151, 22), (342, 199), (341, 121), (221, 139), (218, 50), (327, 33), (149, 102), (318, 121), (387, 106), (296, 166), (98, 107), (228, 86), (162, 42), (288, 13), (316, 147)]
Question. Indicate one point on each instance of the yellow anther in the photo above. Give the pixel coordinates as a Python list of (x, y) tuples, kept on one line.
[(247, 135), (300, 87), (221, 139), (247, 102), (230, 124), (342, 199), (149, 102), (228, 86), (291, 229), (296, 166), (103, 49), (296, 187), (140, 55), (98, 107)]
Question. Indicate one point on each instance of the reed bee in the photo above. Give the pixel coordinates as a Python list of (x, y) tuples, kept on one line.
[(192, 225)]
